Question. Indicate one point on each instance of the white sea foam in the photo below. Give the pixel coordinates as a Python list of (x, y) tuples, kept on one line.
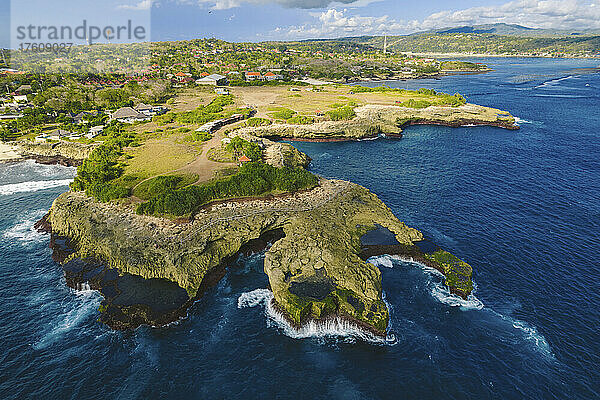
[(441, 292), (520, 121), (331, 328), (530, 333), (437, 287), (371, 138), (553, 82), (24, 230), (83, 305), (32, 186)]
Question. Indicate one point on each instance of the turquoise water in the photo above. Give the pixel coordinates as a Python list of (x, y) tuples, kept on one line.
[(523, 207)]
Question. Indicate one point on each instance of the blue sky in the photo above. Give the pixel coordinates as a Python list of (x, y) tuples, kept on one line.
[(255, 20)]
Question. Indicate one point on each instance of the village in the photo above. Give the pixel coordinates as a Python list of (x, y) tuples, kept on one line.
[(49, 108)]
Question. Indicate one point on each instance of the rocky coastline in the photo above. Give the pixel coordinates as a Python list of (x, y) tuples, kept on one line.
[(374, 120), (68, 154), (314, 265), (317, 242)]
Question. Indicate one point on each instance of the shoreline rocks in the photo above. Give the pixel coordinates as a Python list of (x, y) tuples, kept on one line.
[(374, 120), (314, 266)]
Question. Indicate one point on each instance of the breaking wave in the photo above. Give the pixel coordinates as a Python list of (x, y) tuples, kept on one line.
[(32, 186), (522, 121), (24, 230), (86, 303), (336, 328), (529, 333), (436, 286), (441, 292), (553, 82)]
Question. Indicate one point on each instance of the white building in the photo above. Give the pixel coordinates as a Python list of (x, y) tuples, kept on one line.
[(95, 131), (214, 79), (128, 115)]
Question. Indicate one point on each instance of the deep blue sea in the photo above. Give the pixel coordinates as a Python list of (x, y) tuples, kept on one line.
[(522, 207)]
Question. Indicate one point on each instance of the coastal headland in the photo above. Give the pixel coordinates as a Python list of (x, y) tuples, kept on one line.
[(158, 212)]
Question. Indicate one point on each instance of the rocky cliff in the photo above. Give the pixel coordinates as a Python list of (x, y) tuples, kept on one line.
[(66, 153), (372, 120), (315, 271)]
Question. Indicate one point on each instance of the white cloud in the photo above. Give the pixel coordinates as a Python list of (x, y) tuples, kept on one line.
[(555, 14), (141, 5), (306, 4)]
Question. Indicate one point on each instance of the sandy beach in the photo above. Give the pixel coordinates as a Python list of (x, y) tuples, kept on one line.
[(9, 153)]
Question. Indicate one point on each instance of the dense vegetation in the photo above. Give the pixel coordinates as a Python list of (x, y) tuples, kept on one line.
[(462, 66), (240, 147), (252, 179), (429, 97), (301, 120), (283, 113), (257, 121), (97, 173), (342, 113)]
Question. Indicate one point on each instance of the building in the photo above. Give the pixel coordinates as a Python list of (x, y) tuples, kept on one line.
[(129, 116), (214, 79), (150, 110), (243, 160), (270, 76), (95, 131), (56, 135), (23, 89), (82, 117), (253, 76)]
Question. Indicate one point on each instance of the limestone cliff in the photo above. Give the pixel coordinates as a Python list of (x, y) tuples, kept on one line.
[(315, 271), (372, 120), (60, 150)]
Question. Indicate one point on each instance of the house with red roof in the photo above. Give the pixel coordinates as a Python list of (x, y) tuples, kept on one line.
[(252, 76), (270, 76)]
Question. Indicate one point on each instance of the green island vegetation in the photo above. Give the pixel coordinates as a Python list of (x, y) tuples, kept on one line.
[(462, 66), (282, 113), (257, 121), (343, 113), (421, 98), (201, 136), (252, 179), (457, 272), (240, 147), (98, 174), (161, 184), (301, 120)]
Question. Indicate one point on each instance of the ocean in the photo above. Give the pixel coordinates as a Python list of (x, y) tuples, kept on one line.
[(522, 207)]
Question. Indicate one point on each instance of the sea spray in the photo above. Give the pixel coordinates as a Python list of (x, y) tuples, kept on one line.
[(32, 186), (329, 328), (441, 293), (438, 288), (79, 309), (24, 231)]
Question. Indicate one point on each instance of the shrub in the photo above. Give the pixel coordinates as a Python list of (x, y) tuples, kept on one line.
[(301, 120), (412, 103), (283, 113), (201, 136), (102, 166), (252, 179), (342, 113), (256, 121), (240, 147)]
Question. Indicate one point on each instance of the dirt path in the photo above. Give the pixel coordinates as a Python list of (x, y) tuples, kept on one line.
[(201, 166)]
